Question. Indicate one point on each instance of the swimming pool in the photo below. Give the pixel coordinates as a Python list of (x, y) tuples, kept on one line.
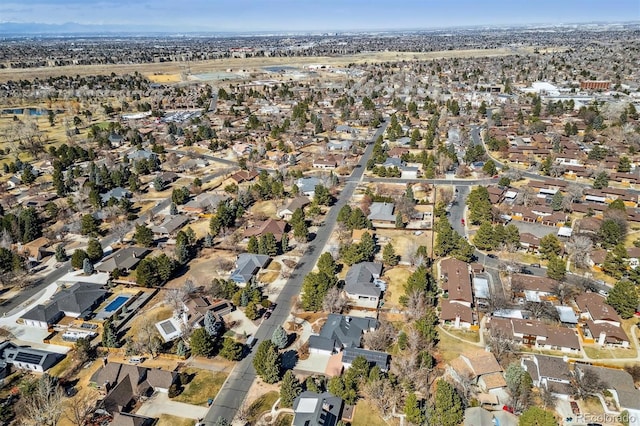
[(116, 303)]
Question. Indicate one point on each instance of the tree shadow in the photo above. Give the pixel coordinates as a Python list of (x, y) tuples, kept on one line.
[(289, 359)]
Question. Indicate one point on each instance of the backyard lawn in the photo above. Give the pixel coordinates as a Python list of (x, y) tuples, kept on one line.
[(366, 415), (262, 405), (203, 386), (395, 278), (169, 420)]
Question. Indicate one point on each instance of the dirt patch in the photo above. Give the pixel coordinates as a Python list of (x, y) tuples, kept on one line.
[(405, 243), (264, 209), (165, 78)]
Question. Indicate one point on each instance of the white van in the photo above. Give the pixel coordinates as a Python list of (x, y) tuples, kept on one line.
[(251, 340), (136, 359)]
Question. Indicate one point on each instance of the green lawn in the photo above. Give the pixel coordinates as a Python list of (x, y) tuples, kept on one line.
[(205, 385), (169, 420), (262, 405), (366, 415)]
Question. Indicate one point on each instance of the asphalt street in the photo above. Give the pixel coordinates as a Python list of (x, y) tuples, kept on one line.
[(232, 394)]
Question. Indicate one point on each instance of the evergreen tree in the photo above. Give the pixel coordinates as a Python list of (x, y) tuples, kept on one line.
[(314, 289), (251, 311), (536, 416), (110, 335), (211, 325), (267, 362), (231, 349), (611, 233), (252, 246), (87, 266), (557, 268), (399, 223), (77, 258), (322, 196), (201, 343), (623, 297), (447, 409), (327, 265), (367, 246), (181, 349), (550, 246), (270, 244), (61, 254), (412, 410), (280, 338), (601, 180), (484, 239), (173, 209), (284, 243), (557, 201), (143, 236), (489, 168), (88, 225), (147, 274), (208, 240), (289, 389), (389, 255), (94, 250)]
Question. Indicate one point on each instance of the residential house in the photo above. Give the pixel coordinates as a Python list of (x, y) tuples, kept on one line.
[(297, 203), (482, 369), (204, 203), (14, 182), (115, 193), (115, 140), (456, 282), (307, 185), (34, 250), (532, 288), (165, 177), (270, 226), (247, 267), (171, 225), (535, 333), (77, 301), (244, 176), (25, 358), (529, 241), (381, 214), (313, 409), (362, 284), (552, 373), (142, 154), (375, 358), (456, 314), (128, 419), (478, 416), (121, 384), (192, 314), (124, 260), (339, 332), (328, 162), (341, 145)]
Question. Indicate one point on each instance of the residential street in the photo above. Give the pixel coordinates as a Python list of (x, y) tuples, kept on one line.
[(237, 385)]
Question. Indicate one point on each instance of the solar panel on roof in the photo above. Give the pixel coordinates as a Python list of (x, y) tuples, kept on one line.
[(28, 358)]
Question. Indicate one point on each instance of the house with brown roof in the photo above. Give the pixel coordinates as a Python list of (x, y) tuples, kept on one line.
[(534, 289), (456, 281), (34, 250), (269, 226), (602, 322), (529, 241), (482, 369), (535, 333), (243, 176), (456, 314)]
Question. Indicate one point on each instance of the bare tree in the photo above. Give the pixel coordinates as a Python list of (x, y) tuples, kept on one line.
[(526, 196), (120, 229), (579, 249), (334, 302), (501, 345), (384, 395), (547, 397), (147, 338), (174, 297), (5, 239), (416, 305), (381, 338), (81, 406), (585, 382), (45, 405)]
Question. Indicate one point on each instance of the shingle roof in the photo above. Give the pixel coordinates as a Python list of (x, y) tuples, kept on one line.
[(381, 212), (347, 331), (359, 279), (248, 265), (126, 258)]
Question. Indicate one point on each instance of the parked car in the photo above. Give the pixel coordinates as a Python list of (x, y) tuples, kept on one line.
[(251, 340), (535, 265)]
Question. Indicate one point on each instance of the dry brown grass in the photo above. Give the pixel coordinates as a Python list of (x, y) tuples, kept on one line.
[(164, 78), (395, 278)]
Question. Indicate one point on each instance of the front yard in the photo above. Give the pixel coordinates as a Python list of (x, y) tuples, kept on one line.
[(203, 386)]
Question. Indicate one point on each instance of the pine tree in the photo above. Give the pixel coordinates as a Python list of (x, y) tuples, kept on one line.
[(389, 255), (549, 245), (251, 311), (623, 297), (367, 247), (284, 243), (447, 409), (201, 343), (484, 237), (109, 335), (231, 349), (412, 410), (557, 201), (211, 325), (181, 349), (208, 240), (143, 236), (61, 254), (270, 244), (94, 250), (289, 389), (326, 264), (267, 362), (557, 268), (252, 246), (87, 267), (173, 209), (280, 338)]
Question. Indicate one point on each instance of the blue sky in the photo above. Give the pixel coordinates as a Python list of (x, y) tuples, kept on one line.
[(315, 15)]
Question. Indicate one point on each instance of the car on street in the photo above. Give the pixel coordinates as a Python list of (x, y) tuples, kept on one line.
[(535, 265), (267, 315)]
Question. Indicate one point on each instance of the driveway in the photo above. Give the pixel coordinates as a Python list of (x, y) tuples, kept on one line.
[(160, 403)]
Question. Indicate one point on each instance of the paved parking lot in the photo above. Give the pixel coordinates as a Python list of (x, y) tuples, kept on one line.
[(534, 228)]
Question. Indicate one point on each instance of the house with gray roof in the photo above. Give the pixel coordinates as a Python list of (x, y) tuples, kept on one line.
[(77, 301), (381, 214), (124, 259), (25, 358), (171, 225), (314, 409), (142, 154), (341, 331), (115, 193), (375, 358), (362, 285), (307, 185), (339, 145), (247, 267)]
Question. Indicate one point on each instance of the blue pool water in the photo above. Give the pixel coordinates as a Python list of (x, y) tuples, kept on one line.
[(116, 303)]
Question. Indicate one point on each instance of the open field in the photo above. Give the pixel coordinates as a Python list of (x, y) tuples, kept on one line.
[(251, 64), (164, 78)]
